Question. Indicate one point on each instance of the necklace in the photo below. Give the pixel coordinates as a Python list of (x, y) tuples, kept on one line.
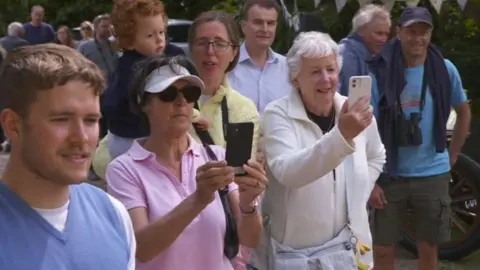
[(332, 122), (325, 123)]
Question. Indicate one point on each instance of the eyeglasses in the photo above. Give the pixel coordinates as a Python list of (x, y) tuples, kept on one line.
[(190, 93), (218, 45)]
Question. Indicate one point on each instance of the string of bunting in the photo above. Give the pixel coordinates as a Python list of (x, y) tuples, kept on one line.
[(294, 22), (437, 4)]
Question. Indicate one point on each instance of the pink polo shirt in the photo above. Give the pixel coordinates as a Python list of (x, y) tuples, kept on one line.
[(137, 180)]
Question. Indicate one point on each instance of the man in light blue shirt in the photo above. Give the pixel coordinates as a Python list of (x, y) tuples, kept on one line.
[(261, 74), (414, 90)]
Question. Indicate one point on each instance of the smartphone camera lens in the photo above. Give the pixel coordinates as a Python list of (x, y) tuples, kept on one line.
[(354, 85), (354, 81)]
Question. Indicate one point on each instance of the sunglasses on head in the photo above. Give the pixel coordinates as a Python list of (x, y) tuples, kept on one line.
[(190, 93)]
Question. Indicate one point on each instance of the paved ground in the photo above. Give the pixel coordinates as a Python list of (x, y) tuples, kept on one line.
[(404, 261)]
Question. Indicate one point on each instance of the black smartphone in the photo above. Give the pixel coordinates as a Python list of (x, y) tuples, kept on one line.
[(239, 145)]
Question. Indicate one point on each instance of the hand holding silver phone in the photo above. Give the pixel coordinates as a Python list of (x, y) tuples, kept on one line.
[(359, 87)]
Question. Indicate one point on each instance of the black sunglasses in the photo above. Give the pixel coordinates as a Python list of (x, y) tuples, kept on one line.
[(190, 93)]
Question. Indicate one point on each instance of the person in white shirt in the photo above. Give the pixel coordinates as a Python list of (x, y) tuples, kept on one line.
[(261, 74), (323, 159)]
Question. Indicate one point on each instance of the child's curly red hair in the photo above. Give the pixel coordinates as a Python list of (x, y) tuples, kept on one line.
[(123, 18)]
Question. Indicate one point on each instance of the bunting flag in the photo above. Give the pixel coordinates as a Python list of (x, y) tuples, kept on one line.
[(340, 4), (412, 3), (388, 4), (292, 21), (462, 3), (437, 4)]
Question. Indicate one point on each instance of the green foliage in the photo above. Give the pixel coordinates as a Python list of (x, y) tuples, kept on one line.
[(229, 6), (457, 33)]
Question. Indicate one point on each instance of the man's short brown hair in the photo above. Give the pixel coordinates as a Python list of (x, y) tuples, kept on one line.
[(123, 18), (267, 4), (99, 19), (30, 69)]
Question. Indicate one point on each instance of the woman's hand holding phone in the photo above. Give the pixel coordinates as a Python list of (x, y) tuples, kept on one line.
[(211, 177), (251, 185)]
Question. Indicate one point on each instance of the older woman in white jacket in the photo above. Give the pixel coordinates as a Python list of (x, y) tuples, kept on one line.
[(323, 159)]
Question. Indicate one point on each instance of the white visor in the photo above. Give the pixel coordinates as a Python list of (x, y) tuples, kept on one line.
[(161, 78)]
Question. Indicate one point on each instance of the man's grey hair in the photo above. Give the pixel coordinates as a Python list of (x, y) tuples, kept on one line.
[(367, 14), (311, 44), (15, 29)]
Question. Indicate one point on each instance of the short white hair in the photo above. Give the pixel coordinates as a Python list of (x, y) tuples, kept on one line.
[(15, 29), (367, 14), (311, 44)]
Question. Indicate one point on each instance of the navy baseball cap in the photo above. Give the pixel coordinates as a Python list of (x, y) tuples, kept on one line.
[(411, 15)]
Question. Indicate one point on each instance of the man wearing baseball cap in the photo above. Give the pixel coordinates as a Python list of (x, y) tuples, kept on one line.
[(414, 89)]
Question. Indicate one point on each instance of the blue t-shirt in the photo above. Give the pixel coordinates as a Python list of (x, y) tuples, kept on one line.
[(39, 34), (423, 160)]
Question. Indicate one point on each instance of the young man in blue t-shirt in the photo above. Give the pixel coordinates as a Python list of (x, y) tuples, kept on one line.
[(414, 89), (49, 219), (36, 31)]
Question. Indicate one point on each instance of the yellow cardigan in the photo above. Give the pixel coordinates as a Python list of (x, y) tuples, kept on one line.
[(240, 109)]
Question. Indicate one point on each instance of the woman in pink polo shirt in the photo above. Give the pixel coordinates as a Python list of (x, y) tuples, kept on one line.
[(169, 184)]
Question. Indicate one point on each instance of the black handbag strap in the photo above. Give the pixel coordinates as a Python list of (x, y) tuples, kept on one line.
[(207, 139), (231, 241), (224, 191)]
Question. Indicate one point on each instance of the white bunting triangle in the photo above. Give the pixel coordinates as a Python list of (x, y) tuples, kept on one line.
[(293, 19), (340, 4), (412, 3), (462, 4), (437, 5)]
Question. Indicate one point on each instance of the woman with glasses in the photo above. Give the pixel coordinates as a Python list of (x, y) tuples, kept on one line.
[(214, 39), (170, 185)]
